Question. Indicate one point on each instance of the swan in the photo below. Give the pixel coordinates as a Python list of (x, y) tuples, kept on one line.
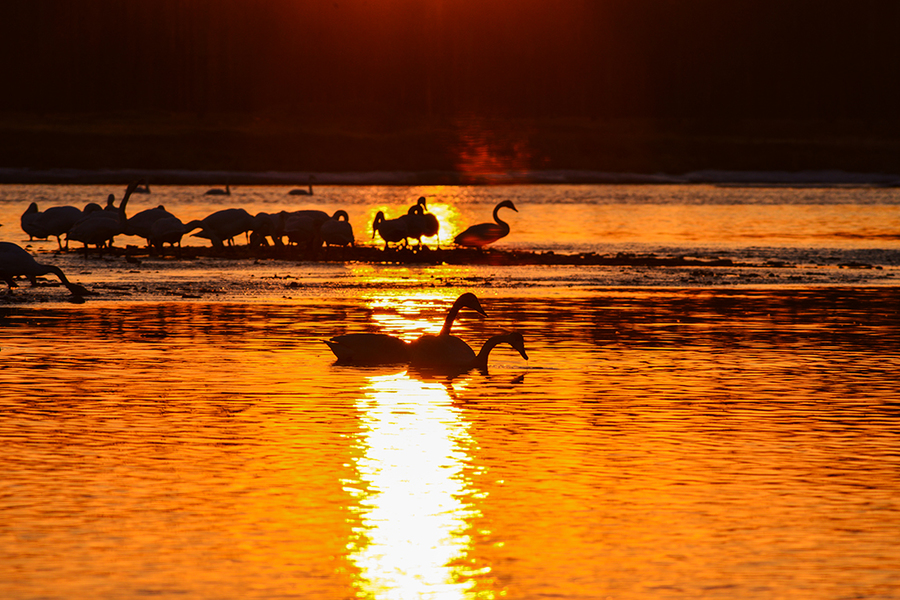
[(453, 355), (15, 261), (394, 230), (223, 225), (141, 224), (142, 189), (301, 191), (302, 227), (422, 223), (219, 191), (483, 234), (58, 220), (97, 227), (168, 230), (383, 349), (337, 232), (30, 222)]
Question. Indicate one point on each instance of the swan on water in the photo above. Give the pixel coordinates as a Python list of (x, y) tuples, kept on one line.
[(383, 349), (303, 192), (452, 355), (15, 261), (219, 191), (483, 234)]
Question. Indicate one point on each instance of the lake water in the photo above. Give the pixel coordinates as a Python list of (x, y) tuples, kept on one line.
[(727, 432)]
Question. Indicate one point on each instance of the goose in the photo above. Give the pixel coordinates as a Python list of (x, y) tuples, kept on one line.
[(394, 230), (422, 223), (301, 191), (483, 234), (98, 227), (337, 232), (15, 261), (383, 349), (223, 225), (219, 191)]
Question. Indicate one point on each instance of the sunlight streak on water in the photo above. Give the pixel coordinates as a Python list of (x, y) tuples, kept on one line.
[(414, 505)]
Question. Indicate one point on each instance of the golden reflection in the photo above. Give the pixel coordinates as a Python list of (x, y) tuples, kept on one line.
[(413, 494)]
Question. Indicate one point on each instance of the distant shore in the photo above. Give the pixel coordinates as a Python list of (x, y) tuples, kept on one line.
[(173, 148)]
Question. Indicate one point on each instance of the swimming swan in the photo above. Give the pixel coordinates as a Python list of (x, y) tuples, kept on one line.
[(383, 349), (483, 234), (453, 355)]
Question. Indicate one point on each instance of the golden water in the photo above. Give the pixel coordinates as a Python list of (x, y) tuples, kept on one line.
[(659, 443)]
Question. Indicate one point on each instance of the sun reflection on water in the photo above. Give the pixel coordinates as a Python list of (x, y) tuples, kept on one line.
[(413, 496)]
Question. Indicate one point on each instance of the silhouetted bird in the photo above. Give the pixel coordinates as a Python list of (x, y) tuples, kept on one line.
[(483, 234)]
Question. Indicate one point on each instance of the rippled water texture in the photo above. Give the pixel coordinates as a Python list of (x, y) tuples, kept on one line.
[(659, 443)]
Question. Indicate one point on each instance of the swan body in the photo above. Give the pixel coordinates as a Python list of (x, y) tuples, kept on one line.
[(369, 349), (301, 191), (337, 232), (302, 227), (381, 349), (453, 355), (422, 223), (98, 227), (167, 230), (218, 191), (223, 225), (30, 222), (141, 224), (483, 234), (394, 230), (15, 261)]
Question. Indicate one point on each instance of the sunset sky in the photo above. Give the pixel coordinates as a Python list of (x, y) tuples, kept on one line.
[(396, 62)]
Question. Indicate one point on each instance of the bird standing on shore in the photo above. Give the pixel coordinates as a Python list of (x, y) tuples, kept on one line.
[(15, 261), (478, 236)]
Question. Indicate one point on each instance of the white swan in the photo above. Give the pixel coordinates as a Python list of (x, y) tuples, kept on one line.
[(15, 261), (483, 234)]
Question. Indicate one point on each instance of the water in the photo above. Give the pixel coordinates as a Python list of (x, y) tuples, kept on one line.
[(676, 433)]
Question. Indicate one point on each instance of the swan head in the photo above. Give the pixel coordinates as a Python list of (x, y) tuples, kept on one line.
[(508, 204), (516, 340), (340, 213), (421, 202), (470, 300)]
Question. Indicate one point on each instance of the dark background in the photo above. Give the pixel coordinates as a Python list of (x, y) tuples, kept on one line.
[(466, 85)]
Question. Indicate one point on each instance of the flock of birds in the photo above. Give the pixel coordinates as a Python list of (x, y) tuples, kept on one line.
[(443, 353), (97, 226)]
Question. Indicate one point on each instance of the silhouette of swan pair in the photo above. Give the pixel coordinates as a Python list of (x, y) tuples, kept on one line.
[(416, 223), (443, 352)]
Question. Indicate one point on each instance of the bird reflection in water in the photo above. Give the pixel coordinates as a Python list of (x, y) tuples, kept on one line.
[(414, 498)]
